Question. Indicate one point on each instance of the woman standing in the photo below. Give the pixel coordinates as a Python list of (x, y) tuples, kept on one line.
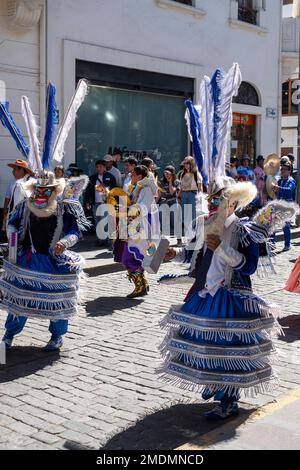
[(190, 185), (167, 199)]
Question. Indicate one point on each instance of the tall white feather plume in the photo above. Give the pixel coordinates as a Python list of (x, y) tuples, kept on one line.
[(69, 119), (230, 87), (207, 114), (34, 157)]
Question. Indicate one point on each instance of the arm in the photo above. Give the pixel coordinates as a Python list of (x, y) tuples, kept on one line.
[(113, 182), (288, 191), (71, 233)]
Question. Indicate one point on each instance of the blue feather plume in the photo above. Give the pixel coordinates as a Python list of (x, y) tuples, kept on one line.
[(8, 122), (216, 87), (51, 122), (195, 133)]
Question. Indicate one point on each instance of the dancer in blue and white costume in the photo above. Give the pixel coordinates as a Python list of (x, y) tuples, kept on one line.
[(219, 342), (44, 281)]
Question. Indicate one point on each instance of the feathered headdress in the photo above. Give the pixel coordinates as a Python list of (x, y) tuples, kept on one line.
[(210, 121), (40, 164), (8, 122)]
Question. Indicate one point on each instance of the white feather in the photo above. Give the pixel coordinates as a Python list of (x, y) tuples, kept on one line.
[(69, 119), (230, 87), (34, 158), (207, 113)]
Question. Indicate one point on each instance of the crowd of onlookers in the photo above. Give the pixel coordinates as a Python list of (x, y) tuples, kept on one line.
[(174, 189)]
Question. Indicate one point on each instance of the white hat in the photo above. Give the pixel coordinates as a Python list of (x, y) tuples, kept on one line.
[(108, 158)]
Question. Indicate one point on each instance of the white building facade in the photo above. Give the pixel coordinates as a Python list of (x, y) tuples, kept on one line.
[(143, 58), (290, 76)]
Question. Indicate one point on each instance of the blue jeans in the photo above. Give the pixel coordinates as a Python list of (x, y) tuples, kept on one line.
[(287, 235), (15, 325), (188, 204)]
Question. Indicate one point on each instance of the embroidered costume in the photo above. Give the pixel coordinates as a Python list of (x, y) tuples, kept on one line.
[(139, 233), (219, 341), (43, 282)]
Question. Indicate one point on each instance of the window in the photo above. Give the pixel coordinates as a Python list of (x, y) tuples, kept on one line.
[(247, 95), (247, 12), (288, 107), (138, 111), (185, 2)]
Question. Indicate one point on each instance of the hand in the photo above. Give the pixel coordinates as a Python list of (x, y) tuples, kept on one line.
[(59, 248), (170, 254), (212, 242), (88, 207), (275, 187)]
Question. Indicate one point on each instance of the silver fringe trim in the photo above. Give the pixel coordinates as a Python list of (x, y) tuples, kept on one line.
[(39, 280), (252, 330), (267, 386), (58, 314)]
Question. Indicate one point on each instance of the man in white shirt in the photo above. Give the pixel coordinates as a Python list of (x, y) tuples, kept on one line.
[(129, 165), (15, 191), (112, 169)]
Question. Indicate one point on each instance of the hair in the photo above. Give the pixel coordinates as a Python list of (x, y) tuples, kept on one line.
[(131, 161), (147, 162), (172, 173), (141, 170), (100, 162), (60, 167), (193, 166)]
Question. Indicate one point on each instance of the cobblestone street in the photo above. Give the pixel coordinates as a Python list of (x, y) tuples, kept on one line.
[(101, 391)]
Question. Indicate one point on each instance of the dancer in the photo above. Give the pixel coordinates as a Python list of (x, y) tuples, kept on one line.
[(219, 341), (140, 232), (43, 281)]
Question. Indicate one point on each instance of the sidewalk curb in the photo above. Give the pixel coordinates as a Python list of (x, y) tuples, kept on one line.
[(206, 440)]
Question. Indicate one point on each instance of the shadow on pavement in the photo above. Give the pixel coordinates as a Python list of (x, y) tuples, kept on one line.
[(173, 427), (291, 325), (108, 305), (25, 360)]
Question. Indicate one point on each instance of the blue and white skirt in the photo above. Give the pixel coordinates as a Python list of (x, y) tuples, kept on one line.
[(221, 343), (42, 286)]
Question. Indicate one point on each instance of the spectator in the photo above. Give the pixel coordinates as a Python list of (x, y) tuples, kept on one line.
[(95, 196), (117, 155), (260, 180), (15, 192), (232, 170), (168, 189), (72, 170), (190, 185), (112, 169), (59, 172), (152, 168), (293, 171), (244, 171), (129, 166), (285, 189)]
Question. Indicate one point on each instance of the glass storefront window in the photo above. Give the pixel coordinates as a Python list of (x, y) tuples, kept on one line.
[(138, 123), (243, 136)]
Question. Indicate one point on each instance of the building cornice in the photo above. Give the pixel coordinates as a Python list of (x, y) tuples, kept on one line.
[(24, 14)]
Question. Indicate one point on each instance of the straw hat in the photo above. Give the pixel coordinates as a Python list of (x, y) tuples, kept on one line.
[(21, 164), (272, 164)]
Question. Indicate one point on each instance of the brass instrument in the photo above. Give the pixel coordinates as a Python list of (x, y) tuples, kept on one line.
[(271, 168)]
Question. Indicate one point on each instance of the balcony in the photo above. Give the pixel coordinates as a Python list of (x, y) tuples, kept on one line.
[(248, 15)]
